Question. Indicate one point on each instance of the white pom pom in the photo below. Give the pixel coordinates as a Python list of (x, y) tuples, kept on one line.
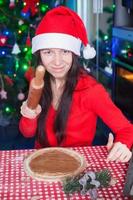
[(89, 52)]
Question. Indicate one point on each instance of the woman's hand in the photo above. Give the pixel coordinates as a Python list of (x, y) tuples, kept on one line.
[(117, 151)]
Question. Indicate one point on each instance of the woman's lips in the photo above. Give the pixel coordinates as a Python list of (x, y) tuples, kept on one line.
[(57, 68)]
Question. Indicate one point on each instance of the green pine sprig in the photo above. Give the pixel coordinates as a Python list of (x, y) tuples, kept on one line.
[(104, 177), (72, 185)]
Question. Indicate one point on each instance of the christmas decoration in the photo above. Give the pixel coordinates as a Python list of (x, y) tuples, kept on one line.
[(21, 22), (12, 4), (88, 183), (71, 31), (16, 49), (29, 74), (108, 68), (21, 96), (3, 94), (18, 23), (8, 80), (3, 40), (28, 41), (30, 5)]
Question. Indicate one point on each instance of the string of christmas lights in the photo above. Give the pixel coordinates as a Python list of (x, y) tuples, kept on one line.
[(17, 26)]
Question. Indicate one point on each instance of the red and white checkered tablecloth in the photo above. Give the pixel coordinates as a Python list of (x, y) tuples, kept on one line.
[(15, 184)]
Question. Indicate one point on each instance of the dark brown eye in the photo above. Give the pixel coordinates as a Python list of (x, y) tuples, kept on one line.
[(66, 52)]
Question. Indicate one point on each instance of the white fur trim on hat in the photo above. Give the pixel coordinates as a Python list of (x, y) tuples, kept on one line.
[(56, 40), (89, 52)]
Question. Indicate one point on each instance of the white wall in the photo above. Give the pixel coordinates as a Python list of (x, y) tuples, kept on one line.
[(85, 10)]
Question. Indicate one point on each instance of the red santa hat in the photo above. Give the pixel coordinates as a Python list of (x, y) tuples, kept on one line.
[(62, 28)]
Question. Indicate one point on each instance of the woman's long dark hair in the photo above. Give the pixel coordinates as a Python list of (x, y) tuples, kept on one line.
[(62, 112)]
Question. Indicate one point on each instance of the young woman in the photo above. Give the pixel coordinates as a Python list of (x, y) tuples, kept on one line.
[(71, 99)]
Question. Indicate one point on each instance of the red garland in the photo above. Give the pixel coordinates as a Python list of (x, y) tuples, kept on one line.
[(29, 74), (30, 5), (8, 80), (28, 41)]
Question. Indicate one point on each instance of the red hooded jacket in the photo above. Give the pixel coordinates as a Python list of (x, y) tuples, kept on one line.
[(90, 100)]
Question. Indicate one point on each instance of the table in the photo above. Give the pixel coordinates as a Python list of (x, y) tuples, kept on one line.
[(15, 184)]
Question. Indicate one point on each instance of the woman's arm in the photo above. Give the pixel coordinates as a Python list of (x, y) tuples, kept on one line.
[(30, 109), (103, 106)]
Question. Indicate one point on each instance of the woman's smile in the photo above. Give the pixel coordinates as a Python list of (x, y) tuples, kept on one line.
[(56, 61), (58, 68)]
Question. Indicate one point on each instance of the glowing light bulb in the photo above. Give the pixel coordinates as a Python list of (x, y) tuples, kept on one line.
[(106, 37), (25, 49), (3, 52), (19, 31), (7, 110), (25, 67)]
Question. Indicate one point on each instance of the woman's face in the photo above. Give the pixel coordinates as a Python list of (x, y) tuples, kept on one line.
[(56, 61)]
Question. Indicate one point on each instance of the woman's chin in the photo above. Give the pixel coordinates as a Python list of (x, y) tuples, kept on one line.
[(59, 75)]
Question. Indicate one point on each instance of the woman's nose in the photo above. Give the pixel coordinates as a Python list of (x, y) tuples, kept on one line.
[(58, 59)]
